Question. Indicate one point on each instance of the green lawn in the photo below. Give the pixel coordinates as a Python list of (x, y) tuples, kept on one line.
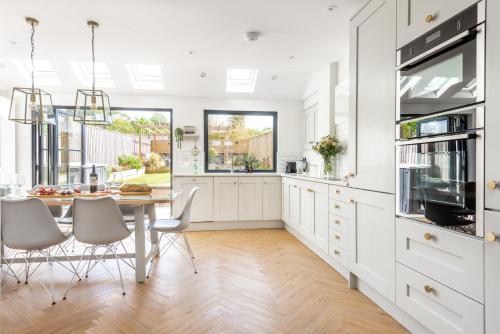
[(160, 179)]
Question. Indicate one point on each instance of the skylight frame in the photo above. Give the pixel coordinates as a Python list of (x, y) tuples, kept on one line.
[(240, 80), (83, 71), (147, 81)]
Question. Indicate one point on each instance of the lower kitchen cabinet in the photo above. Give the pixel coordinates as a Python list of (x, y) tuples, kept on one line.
[(285, 200), (271, 198), (250, 198), (306, 223), (320, 231), (372, 239), (294, 205), (437, 307), (492, 271), (226, 198), (202, 208)]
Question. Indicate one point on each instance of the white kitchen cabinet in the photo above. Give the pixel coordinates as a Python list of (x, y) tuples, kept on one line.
[(294, 205), (271, 198), (285, 199), (306, 225), (492, 271), (226, 198), (320, 233), (250, 198), (372, 102), (492, 126), (436, 306), (453, 259), (202, 208), (415, 18), (310, 126), (372, 238)]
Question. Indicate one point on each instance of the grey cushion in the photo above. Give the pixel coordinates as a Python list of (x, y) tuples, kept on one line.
[(166, 225)]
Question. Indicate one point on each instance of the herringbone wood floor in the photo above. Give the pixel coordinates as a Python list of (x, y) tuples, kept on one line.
[(255, 281)]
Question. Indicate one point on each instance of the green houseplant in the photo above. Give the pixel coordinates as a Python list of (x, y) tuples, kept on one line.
[(328, 147), (179, 137)]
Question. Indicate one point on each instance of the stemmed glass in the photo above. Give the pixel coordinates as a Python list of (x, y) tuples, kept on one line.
[(18, 181)]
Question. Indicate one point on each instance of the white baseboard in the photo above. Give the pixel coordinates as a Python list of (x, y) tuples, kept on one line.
[(235, 225)]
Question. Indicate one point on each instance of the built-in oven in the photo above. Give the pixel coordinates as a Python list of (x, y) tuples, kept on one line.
[(443, 69), (440, 169)]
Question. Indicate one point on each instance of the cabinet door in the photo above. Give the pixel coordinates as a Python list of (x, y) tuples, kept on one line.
[(294, 205), (310, 126), (373, 258), (250, 198), (306, 225), (202, 208), (271, 198), (492, 271), (372, 104), (226, 198), (492, 135), (285, 210), (414, 16), (321, 217)]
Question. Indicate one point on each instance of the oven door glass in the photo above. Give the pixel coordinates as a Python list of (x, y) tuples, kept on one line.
[(446, 81), (438, 182)]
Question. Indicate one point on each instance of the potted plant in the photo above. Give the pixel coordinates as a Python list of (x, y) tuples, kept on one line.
[(179, 137), (328, 147)]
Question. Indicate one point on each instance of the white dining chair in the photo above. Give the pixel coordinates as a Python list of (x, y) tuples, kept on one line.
[(29, 228), (56, 211), (172, 229), (98, 222)]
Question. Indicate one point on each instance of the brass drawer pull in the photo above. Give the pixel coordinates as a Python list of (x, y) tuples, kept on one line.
[(428, 236), (491, 185), (350, 200), (429, 18), (337, 221), (336, 252), (490, 236), (310, 190), (336, 206), (337, 237), (428, 289), (337, 192)]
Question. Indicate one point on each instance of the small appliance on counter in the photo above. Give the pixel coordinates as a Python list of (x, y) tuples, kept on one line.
[(291, 167)]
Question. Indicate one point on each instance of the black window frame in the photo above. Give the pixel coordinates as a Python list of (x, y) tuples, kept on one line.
[(208, 112)]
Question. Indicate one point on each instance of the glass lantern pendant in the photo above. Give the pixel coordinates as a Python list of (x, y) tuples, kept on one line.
[(31, 105), (92, 106)]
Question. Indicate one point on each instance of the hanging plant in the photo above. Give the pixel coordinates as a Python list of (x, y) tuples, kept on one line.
[(179, 137)]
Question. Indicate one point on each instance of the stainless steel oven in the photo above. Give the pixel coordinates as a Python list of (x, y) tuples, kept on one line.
[(443, 69), (440, 162)]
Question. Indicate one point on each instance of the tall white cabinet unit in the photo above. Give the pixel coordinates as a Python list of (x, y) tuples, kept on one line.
[(372, 102), (371, 145)]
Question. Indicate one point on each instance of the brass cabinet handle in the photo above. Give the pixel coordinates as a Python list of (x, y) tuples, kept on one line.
[(350, 174), (310, 190), (428, 236), (491, 185), (429, 18), (337, 237), (337, 192), (351, 201), (490, 236), (337, 221), (295, 186), (336, 206), (428, 289), (336, 252)]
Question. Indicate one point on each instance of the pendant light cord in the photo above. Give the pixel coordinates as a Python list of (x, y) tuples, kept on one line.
[(32, 57), (93, 60)]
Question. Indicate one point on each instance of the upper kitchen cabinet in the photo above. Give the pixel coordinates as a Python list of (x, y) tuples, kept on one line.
[(492, 135), (202, 207), (416, 17), (372, 102), (310, 118)]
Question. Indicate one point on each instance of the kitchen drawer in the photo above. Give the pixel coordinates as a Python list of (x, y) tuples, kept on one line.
[(437, 307), (450, 258), (339, 254), (338, 239), (339, 223), (338, 193), (338, 208)]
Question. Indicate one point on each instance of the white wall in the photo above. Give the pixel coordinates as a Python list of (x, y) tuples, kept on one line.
[(189, 111)]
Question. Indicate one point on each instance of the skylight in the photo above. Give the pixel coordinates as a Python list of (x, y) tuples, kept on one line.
[(44, 72), (83, 71), (241, 80), (146, 76)]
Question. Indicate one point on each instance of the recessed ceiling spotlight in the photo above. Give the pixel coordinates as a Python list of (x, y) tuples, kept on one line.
[(291, 57), (252, 36), (203, 74), (274, 77), (332, 7)]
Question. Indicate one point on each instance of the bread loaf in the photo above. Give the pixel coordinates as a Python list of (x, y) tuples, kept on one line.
[(135, 188)]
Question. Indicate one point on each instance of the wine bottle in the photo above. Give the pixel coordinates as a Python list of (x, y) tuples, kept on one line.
[(93, 180)]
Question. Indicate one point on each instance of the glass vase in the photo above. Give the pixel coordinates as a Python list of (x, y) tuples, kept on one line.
[(327, 167)]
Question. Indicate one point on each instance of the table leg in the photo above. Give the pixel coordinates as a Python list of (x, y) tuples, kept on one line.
[(151, 210), (140, 245)]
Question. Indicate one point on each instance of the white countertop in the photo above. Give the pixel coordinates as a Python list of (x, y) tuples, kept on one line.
[(338, 182)]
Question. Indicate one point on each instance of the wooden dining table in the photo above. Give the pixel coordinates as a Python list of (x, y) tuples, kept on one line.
[(143, 205)]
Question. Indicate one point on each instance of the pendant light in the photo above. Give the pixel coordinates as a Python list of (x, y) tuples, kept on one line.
[(92, 105), (37, 104)]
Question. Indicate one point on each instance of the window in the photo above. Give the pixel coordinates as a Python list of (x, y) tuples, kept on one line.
[(145, 76), (83, 71), (234, 139), (241, 80)]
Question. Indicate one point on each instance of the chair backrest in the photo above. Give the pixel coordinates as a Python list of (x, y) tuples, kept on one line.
[(98, 221), (28, 225), (185, 216), (56, 211)]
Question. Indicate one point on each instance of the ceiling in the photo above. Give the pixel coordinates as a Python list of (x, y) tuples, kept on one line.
[(164, 32)]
